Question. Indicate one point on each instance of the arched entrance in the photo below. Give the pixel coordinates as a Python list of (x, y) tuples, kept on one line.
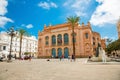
[(53, 52), (66, 52), (59, 52)]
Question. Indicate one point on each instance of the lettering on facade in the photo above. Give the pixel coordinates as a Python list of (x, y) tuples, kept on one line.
[(60, 29)]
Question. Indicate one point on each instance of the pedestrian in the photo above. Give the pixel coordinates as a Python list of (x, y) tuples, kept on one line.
[(73, 57), (48, 59), (89, 57)]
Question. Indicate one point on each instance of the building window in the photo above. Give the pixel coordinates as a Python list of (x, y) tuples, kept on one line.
[(93, 38), (95, 49), (47, 40), (98, 39), (46, 43), (53, 52), (66, 52), (59, 52), (4, 47), (66, 39), (86, 35), (93, 43), (59, 39), (53, 40)]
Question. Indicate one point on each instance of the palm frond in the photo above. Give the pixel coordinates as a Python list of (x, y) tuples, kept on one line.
[(22, 32), (73, 19)]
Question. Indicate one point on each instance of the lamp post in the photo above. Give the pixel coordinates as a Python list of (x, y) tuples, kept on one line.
[(12, 33)]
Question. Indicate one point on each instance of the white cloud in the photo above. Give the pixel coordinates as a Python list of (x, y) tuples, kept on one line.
[(3, 5), (79, 13), (3, 11), (29, 26), (105, 37), (108, 11), (4, 20), (111, 38), (53, 5), (47, 5), (44, 5), (77, 6)]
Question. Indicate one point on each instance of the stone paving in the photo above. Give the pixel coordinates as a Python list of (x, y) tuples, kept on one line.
[(41, 69)]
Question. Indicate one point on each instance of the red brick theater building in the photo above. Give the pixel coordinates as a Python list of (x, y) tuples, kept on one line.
[(55, 41)]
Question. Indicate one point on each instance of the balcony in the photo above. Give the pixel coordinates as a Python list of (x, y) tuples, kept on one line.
[(66, 43), (53, 44)]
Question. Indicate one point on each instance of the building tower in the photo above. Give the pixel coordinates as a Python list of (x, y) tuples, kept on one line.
[(118, 28)]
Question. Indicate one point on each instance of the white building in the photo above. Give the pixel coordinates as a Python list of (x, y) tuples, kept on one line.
[(4, 44), (29, 44)]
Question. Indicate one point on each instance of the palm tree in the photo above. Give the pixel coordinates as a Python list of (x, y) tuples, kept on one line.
[(12, 32), (73, 20), (21, 33)]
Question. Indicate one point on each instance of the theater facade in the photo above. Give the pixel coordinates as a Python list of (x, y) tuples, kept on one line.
[(56, 40)]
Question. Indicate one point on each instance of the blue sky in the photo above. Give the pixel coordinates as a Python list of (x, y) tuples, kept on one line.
[(33, 14)]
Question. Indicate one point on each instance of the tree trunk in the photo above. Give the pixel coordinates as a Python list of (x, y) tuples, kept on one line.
[(73, 37), (20, 46), (10, 47)]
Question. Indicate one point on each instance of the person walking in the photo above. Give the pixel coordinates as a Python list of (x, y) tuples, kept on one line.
[(73, 57)]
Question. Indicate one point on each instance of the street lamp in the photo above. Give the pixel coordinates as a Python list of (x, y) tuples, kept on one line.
[(12, 33)]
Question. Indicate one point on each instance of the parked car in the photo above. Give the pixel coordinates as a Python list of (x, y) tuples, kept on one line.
[(26, 57), (1, 59)]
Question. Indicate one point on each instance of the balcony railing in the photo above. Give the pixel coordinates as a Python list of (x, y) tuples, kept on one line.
[(66, 43)]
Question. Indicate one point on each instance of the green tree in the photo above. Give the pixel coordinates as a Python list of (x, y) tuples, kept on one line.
[(73, 20), (22, 32), (113, 46), (27, 53)]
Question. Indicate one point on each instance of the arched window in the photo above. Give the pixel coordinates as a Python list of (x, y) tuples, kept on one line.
[(94, 43), (66, 39), (53, 52), (59, 39), (66, 52), (59, 52), (86, 35), (53, 40), (47, 40)]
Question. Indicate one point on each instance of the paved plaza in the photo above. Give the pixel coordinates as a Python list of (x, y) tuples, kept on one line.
[(41, 69)]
